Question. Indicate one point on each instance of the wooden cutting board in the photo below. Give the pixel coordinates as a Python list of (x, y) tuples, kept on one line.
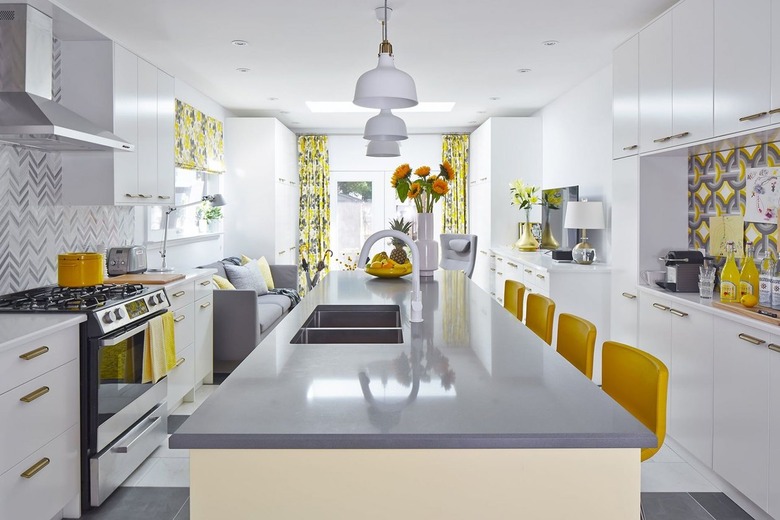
[(750, 312), (145, 278)]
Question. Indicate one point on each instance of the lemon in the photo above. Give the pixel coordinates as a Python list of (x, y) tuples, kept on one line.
[(748, 300)]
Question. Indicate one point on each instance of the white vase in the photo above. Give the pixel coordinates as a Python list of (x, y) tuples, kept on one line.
[(427, 246)]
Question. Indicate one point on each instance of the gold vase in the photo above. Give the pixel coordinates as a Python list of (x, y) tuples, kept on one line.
[(548, 240), (527, 241)]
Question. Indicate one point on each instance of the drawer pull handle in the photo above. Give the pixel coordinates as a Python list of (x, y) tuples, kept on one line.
[(205, 283), (180, 361), (35, 468), (629, 296), (129, 195), (511, 264), (35, 394), (662, 139), (178, 294), (774, 347), (163, 196), (681, 135), (27, 356), (499, 273), (483, 252), (493, 269), (540, 276), (282, 252), (681, 314), (492, 294), (292, 248), (661, 307), (204, 305), (632, 147), (774, 111), (483, 178), (753, 116), (179, 318), (751, 339), (145, 196), (527, 271)]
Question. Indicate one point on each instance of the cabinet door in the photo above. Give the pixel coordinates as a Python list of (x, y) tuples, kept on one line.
[(655, 84), (690, 383), (692, 36), (146, 149), (204, 338), (166, 108), (126, 125), (742, 73), (625, 99), (625, 231), (774, 429), (181, 379), (500, 278), (655, 327), (741, 406)]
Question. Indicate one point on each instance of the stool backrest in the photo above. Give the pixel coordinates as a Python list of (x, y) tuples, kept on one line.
[(514, 296), (577, 342), (458, 252), (539, 315)]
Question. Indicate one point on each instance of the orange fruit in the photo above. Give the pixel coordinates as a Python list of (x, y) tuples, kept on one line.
[(748, 300)]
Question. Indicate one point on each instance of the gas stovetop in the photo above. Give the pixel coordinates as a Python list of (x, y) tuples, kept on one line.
[(109, 307)]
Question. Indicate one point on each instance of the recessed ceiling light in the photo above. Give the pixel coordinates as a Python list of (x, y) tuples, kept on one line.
[(240, 43), (284, 111), (346, 107), (243, 69), (481, 111), (523, 71), (550, 43), (494, 98), (273, 99), (472, 122), (295, 123)]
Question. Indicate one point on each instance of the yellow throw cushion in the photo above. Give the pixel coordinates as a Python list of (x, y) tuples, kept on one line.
[(222, 283), (265, 269)]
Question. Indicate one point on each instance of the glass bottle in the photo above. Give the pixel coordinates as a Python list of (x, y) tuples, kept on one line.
[(729, 278), (748, 278), (765, 280)]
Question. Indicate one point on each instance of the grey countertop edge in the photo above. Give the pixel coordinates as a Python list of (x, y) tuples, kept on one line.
[(409, 441), (23, 328)]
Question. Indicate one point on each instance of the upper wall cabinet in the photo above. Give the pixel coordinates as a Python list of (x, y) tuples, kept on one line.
[(625, 99), (199, 140), (675, 77), (117, 90)]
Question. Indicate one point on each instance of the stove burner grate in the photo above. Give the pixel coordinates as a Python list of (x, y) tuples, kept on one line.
[(55, 298)]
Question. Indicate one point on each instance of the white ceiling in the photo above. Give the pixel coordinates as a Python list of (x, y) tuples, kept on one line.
[(313, 50)]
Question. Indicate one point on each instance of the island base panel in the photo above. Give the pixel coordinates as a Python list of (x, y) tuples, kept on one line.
[(599, 484)]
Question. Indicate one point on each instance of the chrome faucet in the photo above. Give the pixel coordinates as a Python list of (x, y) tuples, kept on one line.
[(416, 312)]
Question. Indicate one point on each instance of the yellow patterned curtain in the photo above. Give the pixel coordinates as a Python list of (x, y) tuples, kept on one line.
[(455, 150), (314, 214)]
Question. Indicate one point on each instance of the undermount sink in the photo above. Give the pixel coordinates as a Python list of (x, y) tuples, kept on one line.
[(352, 324)]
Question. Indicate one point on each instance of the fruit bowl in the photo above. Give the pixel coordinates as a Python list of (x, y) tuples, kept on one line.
[(389, 272)]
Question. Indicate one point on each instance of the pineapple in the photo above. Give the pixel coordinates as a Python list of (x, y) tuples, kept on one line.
[(398, 254)]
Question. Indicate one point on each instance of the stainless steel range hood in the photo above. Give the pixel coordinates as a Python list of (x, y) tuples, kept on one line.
[(28, 116)]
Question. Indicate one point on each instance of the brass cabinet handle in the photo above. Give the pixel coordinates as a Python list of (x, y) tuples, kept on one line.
[(774, 111), (510, 263), (473, 182), (492, 294), (774, 347), (680, 135), (281, 179), (180, 293), (180, 362), (292, 248), (753, 116), (632, 147), (35, 468), (204, 305), (751, 339), (483, 252), (527, 271), (493, 269), (179, 318), (500, 300), (483, 178), (35, 394), (629, 296), (492, 256), (662, 307), (205, 283), (281, 252), (681, 314), (145, 196), (163, 196), (499, 273), (498, 258), (130, 195), (662, 139), (540, 276), (27, 356)]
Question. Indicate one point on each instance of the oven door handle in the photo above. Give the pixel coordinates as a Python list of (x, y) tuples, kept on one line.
[(110, 342), (148, 424)]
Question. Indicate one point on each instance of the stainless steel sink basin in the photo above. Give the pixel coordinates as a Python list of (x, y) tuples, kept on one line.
[(353, 324)]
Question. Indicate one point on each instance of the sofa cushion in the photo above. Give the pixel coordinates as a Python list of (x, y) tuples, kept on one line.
[(247, 277), (222, 282), (265, 269), (282, 301), (267, 315)]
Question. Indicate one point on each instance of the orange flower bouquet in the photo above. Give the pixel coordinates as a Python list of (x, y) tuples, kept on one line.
[(425, 189)]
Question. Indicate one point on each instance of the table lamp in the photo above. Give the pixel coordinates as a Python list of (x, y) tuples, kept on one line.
[(584, 215), (216, 200)]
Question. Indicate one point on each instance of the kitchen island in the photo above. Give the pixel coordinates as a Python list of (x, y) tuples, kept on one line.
[(470, 416)]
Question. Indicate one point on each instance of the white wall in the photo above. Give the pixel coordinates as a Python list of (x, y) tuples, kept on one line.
[(577, 146)]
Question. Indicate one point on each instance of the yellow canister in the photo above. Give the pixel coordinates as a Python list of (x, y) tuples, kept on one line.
[(79, 269)]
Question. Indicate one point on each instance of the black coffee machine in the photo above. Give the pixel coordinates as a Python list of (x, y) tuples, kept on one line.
[(682, 271)]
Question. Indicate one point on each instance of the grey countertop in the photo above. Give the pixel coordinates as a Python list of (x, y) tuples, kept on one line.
[(485, 381), (20, 328)]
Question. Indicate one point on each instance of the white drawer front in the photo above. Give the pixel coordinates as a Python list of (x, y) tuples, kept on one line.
[(38, 411), (182, 378), (46, 492), (203, 287), (184, 326), (32, 359), (181, 294), (204, 337)]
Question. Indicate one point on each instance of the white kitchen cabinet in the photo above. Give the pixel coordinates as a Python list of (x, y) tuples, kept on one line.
[(262, 156), (691, 380), (500, 279), (741, 404), (204, 337), (625, 99), (114, 88), (625, 231), (774, 430), (655, 326), (742, 72), (655, 83)]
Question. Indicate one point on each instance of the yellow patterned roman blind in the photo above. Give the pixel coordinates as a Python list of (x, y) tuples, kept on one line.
[(200, 141)]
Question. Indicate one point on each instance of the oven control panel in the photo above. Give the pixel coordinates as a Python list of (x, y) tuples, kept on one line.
[(135, 309)]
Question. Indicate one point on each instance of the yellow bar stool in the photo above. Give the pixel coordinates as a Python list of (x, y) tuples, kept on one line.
[(539, 315), (577, 342), (514, 294)]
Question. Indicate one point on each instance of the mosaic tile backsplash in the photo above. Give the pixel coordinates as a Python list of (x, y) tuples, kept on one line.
[(716, 187)]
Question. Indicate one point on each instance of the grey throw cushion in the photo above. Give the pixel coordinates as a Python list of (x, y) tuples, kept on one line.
[(247, 277), (460, 245)]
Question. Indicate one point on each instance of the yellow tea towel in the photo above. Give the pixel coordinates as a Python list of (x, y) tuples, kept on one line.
[(159, 348)]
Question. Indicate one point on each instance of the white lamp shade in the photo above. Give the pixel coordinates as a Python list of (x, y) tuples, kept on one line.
[(383, 149), (584, 215), (385, 127), (385, 86)]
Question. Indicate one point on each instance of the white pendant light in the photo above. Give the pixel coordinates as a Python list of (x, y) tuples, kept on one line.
[(385, 86), (385, 126), (383, 149)]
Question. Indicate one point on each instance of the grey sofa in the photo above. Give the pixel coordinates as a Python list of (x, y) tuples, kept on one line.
[(242, 319)]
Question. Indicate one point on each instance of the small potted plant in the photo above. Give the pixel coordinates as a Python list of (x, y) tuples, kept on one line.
[(211, 215)]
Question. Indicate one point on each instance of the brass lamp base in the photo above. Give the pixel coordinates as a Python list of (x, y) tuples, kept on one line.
[(583, 253)]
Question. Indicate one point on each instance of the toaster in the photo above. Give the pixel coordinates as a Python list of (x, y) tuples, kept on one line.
[(126, 260)]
